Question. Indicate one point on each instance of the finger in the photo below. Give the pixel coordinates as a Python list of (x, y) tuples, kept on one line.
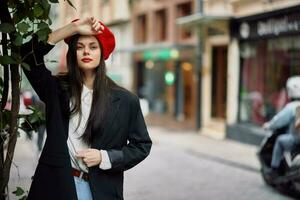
[(86, 160), (92, 19), (89, 164), (90, 156), (97, 26), (79, 155)]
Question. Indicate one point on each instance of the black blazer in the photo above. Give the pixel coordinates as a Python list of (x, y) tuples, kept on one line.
[(124, 136)]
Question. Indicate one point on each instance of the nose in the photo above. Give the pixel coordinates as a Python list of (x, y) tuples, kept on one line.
[(86, 51)]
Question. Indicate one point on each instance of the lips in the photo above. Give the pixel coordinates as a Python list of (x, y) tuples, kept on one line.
[(86, 60)]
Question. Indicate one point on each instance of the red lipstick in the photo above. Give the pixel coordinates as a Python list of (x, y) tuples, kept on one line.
[(86, 60)]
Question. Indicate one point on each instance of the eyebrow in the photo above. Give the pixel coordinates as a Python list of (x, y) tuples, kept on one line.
[(92, 43)]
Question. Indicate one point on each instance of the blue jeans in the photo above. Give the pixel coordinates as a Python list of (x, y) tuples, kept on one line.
[(83, 189), (284, 142)]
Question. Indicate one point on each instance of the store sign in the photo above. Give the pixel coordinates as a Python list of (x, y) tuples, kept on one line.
[(161, 54), (269, 26), (277, 26)]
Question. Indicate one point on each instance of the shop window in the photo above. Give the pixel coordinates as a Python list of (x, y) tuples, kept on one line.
[(184, 9), (265, 67), (141, 29), (161, 25)]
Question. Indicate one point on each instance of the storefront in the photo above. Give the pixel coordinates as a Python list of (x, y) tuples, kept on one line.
[(269, 48), (165, 78)]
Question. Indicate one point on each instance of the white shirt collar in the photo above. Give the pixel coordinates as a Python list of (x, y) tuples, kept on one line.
[(86, 95)]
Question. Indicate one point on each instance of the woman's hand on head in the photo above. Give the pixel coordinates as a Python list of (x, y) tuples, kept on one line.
[(88, 26)]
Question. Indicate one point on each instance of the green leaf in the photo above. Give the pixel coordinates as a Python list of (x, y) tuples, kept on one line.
[(21, 12), (46, 8), (16, 57), (49, 21), (6, 28), (43, 34), (19, 192), (45, 4), (43, 25), (1, 86), (38, 10), (23, 27), (26, 66), (25, 35), (6, 60), (18, 40)]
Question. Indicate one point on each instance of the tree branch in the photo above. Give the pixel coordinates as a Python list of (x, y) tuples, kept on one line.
[(5, 75), (15, 80)]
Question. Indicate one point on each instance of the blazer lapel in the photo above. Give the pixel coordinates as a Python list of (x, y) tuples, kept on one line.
[(112, 112), (114, 106)]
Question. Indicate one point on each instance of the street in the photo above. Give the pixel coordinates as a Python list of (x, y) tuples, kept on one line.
[(177, 170), (174, 174)]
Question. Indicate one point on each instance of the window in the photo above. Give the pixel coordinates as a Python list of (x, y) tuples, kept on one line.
[(141, 29), (265, 67), (160, 25), (184, 9)]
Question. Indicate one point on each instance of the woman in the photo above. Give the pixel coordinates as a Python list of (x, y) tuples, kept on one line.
[(95, 129)]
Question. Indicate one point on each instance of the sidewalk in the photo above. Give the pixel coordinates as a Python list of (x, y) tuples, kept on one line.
[(226, 151)]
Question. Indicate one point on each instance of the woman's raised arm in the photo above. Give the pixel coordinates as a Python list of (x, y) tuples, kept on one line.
[(87, 26)]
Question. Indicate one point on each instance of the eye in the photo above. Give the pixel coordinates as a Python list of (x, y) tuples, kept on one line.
[(79, 47), (94, 47)]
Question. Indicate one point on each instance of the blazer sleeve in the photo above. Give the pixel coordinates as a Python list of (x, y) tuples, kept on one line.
[(138, 146), (39, 76)]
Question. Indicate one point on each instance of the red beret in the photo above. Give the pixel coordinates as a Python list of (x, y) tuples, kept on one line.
[(106, 38)]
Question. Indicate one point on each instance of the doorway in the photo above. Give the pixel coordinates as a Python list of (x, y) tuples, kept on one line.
[(219, 82)]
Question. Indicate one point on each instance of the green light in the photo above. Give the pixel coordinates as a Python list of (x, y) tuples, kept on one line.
[(160, 54), (169, 78), (174, 53), (148, 55), (163, 54)]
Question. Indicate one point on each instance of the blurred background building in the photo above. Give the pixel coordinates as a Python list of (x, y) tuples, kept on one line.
[(164, 58), (248, 50)]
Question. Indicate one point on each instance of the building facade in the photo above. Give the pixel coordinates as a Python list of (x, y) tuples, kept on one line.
[(248, 50), (269, 51), (164, 58)]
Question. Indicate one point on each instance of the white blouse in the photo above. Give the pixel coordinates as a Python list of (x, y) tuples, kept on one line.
[(75, 143)]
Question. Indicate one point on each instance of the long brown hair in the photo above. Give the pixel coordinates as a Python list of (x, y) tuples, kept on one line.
[(101, 95)]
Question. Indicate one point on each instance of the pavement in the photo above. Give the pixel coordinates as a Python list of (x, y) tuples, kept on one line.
[(225, 151)]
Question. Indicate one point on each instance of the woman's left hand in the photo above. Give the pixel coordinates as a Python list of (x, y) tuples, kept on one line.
[(91, 157)]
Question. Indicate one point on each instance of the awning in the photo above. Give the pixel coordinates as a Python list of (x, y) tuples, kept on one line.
[(201, 19)]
